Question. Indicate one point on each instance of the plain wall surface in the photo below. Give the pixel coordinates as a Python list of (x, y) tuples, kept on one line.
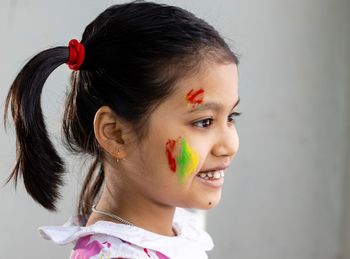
[(286, 194)]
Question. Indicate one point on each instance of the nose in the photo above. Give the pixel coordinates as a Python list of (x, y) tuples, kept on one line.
[(227, 143)]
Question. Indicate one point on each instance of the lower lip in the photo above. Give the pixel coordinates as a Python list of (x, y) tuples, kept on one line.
[(215, 183)]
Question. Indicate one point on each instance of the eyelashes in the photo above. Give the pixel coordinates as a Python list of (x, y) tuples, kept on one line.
[(233, 115), (205, 123)]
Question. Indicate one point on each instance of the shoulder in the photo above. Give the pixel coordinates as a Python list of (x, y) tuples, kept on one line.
[(103, 240), (102, 246), (106, 239)]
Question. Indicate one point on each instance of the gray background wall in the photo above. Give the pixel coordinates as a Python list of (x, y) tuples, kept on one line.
[(287, 194)]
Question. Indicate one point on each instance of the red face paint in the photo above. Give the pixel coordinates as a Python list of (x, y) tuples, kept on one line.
[(195, 97), (170, 149)]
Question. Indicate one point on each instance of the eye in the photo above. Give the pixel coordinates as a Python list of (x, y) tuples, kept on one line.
[(203, 123), (232, 115)]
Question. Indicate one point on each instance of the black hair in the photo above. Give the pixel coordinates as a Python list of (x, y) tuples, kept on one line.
[(135, 53)]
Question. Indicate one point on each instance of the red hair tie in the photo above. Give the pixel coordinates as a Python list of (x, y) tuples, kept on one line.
[(76, 54)]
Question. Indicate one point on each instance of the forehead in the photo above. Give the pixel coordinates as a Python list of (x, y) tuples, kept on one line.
[(215, 83)]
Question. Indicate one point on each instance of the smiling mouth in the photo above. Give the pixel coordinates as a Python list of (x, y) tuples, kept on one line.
[(211, 175)]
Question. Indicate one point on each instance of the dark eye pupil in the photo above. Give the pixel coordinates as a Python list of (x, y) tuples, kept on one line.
[(206, 123)]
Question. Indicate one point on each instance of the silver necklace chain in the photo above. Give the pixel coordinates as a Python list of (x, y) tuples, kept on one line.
[(111, 215)]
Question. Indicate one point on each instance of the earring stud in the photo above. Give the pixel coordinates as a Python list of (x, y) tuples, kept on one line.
[(117, 155)]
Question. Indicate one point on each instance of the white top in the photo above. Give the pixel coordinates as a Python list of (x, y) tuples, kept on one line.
[(106, 239)]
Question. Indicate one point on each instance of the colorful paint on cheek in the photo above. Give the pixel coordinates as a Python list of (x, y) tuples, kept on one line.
[(187, 161), (195, 97), (182, 159), (170, 151)]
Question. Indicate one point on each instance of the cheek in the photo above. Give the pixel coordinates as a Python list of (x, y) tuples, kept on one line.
[(182, 159)]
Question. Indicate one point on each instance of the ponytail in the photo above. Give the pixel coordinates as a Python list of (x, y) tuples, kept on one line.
[(37, 161)]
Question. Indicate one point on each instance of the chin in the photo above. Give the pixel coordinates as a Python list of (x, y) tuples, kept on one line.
[(207, 202), (209, 205)]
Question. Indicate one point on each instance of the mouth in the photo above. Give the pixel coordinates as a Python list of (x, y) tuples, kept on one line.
[(213, 178), (212, 173)]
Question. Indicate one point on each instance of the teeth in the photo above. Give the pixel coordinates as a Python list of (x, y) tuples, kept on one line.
[(217, 175), (212, 175)]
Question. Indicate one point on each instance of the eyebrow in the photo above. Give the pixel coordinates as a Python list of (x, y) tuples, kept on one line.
[(212, 106)]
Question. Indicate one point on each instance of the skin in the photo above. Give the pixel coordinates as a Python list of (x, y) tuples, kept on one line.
[(141, 187)]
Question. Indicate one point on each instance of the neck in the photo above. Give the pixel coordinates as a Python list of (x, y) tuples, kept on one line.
[(135, 208)]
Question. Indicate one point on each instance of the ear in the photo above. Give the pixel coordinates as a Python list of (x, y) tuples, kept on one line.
[(109, 129)]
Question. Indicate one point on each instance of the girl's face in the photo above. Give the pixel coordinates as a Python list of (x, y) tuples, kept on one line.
[(190, 133)]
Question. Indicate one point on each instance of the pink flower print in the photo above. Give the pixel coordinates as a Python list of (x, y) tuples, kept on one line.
[(108, 244), (103, 252), (161, 256), (84, 249), (146, 251)]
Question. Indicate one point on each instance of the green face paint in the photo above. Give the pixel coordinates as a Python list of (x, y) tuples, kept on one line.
[(187, 161)]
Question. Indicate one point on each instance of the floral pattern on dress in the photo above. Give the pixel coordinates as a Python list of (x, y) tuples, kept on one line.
[(161, 256), (85, 249)]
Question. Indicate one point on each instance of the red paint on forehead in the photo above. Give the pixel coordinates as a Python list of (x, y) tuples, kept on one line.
[(195, 97), (170, 149)]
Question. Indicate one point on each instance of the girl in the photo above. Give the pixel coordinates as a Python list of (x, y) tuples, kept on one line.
[(154, 93)]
